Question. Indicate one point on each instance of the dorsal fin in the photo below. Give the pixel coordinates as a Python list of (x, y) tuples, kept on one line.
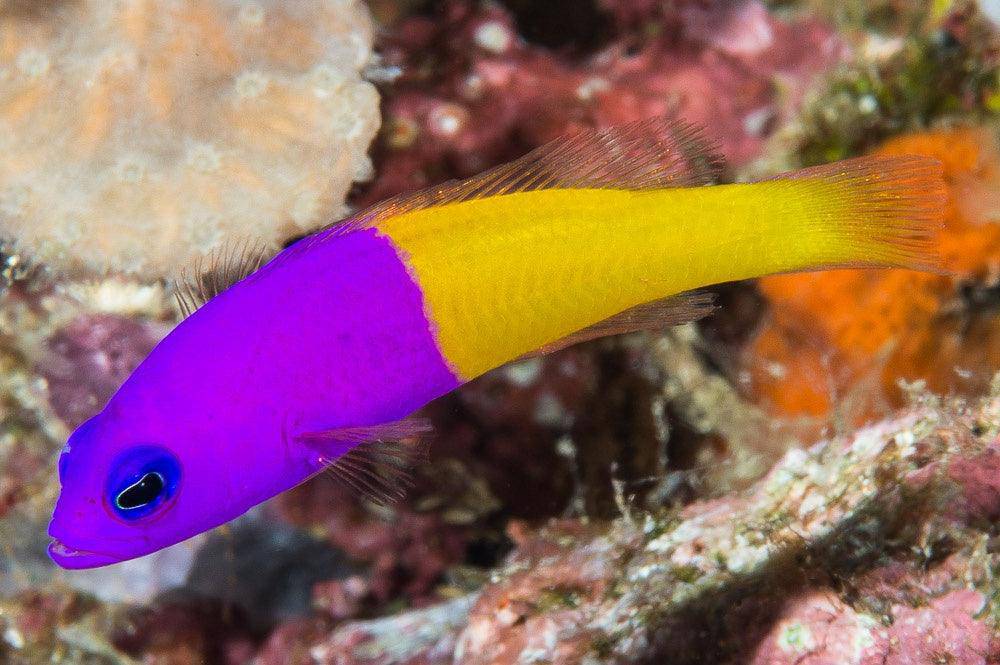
[(373, 461), (655, 315), (648, 154), (213, 274)]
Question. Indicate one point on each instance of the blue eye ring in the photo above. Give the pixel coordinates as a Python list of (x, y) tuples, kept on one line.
[(142, 482)]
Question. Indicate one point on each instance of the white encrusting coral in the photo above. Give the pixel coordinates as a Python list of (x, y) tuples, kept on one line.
[(137, 135)]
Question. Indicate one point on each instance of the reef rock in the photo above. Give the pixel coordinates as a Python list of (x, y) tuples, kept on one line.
[(872, 548)]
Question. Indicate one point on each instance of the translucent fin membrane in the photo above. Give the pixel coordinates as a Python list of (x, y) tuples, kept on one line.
[(648, 154), (656, 315), (885, 210), (375, 461), (218, 271), (378, 471)]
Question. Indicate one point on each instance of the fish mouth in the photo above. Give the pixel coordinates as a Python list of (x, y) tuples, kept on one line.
[(73, 559)]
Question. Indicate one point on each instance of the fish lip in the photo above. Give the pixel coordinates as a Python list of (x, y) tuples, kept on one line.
[(74, 559)]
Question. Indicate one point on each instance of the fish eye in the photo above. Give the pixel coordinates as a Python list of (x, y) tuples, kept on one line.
[(142, 481), (141, 493)]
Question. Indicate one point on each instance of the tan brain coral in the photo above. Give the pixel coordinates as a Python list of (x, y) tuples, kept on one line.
[(137, 135)]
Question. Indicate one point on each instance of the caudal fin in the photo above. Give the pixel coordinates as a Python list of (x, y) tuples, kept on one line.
[(872, 211)]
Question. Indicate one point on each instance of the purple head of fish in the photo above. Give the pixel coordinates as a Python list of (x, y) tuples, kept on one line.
[(209, 424), (88, 528), (189, 442), (136, 479), (128, 491)]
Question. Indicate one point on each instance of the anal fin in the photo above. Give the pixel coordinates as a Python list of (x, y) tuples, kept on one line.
[(654, 315), (375, 461)]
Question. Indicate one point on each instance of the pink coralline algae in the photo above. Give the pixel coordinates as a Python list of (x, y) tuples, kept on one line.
[(89, 360), (472, 92), (980, 481), (820, 629)]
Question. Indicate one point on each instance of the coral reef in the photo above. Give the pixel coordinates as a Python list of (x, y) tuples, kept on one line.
[(424, 636), (643, 499), (872, 548), (407, 551), (139, 135)]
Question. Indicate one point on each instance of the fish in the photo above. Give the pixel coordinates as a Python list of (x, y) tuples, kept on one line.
[(316, 359)]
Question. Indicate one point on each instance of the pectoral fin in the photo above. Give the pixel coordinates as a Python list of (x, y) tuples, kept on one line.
[(375, 461)]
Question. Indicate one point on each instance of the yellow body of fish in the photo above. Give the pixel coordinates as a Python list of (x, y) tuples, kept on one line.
[(505, 275)]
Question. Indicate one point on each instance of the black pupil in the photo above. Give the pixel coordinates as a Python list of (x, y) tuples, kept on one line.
[(142, 492)]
